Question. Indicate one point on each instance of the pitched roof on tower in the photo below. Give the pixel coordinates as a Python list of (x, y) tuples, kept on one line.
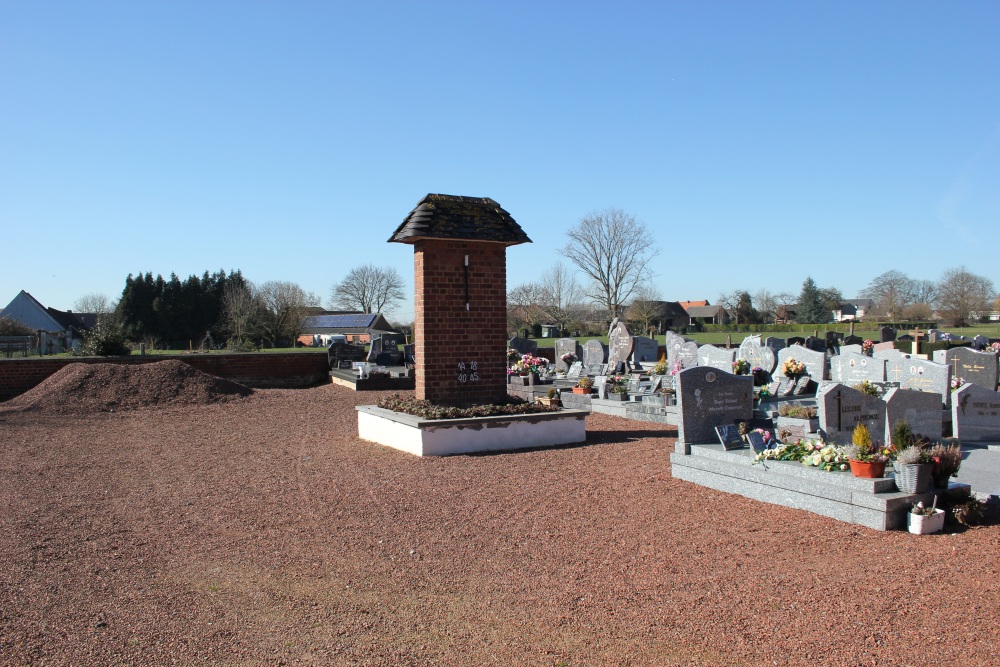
[(454, 217)]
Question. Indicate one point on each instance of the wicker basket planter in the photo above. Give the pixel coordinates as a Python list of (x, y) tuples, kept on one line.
[(914, 477)]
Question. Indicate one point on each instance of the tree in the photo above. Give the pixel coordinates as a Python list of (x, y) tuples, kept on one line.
[(368, 288), (284, 306), (524, 309), (811, 308), (962, 295), (892, 292), (11, 327), (241, 309), (562, 296), (745, 312), (614, 250), (767, 306)]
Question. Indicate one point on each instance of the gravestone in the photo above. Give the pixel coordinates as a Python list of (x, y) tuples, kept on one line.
[(620, 344), (574, 371), (409, 354), (856, 368), (972, 366), (645, 351), (716, 357), (523, 345), (795, 340), (815, 361), (841, 408), (816, 344), (374, 350), (773, 386), (785, 386), (802, 386), (565, 346), (856, 349), (887, 348), (595, 354), (833, 340), (933, 335), (852, 340), (775, 344), (920, 374), (905, 338), (673, 345), (979, 342), (706, 398), (687, 355), (886, 334), (756, 354), (921, 410), (975, 414)]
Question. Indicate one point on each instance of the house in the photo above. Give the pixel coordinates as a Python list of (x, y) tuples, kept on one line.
[(852, 309), (662, 315), (59, 330), (708, 314), (358, 327)]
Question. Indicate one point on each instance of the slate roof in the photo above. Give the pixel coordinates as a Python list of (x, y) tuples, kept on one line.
[(704, 311), (453, 217), (351, 323)]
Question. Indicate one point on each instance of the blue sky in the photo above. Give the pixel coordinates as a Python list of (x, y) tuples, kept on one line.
[(760, 142)]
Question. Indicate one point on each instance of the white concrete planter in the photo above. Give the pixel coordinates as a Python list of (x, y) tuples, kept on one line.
[(442, 437), (918, 524)]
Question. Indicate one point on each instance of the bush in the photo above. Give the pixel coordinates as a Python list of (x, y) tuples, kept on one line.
[(106, 339), (11, 327)]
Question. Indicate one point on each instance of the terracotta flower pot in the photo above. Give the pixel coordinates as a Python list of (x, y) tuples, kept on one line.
[(871, 470), (580, 390)]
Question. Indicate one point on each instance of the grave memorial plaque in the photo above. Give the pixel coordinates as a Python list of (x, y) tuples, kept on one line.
[(645, 351), (975, 414), (575, 370), (841, 408), (921, 410), (620, 344), (729, 436), (920, 374), (706, 398), (801, 386), (523, 345), (972, 366), (673, 345), (756, 354), (716, 357), (856, 368), (565, 346), (756, 441), (688, 354)]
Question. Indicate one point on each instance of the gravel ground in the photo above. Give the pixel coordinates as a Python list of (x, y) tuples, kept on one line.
[(261, 530)]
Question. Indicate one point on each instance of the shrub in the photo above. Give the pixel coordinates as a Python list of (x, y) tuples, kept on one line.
[(106, 339), (423, 408), (11, 327)]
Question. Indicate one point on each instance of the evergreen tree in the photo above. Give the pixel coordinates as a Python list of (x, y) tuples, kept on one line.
[(811, 309)]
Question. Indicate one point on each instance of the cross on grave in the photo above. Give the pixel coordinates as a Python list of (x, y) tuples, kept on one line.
[(918, 336), (897, 370)]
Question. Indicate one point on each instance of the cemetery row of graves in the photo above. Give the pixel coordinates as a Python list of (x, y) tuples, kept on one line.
[(813, 403)]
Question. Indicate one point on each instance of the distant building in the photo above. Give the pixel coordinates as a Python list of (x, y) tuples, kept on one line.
[(707, 314), (357, 327), (852, 309), (60, 330)]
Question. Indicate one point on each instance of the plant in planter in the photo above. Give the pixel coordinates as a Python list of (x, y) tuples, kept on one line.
[(760, 376), (957, 382), (660, 368), (797, 411), (913, 463), (866, 387), (617, 388), (763, 395), (866, 458), (925, 520), (868, 347), (584, 385), (945, 462), (551, 397), (741, 367)]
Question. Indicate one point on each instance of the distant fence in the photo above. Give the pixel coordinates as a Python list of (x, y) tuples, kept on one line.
[(11, 345), (260, 370)]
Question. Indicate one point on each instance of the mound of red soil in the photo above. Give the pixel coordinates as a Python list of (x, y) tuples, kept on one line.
[(87, 388)]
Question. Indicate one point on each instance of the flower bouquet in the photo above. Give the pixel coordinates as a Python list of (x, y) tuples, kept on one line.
[(868, 347), (741, 367), (568, 358), (792, 368)]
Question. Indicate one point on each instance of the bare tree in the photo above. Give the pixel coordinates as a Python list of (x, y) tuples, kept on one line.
[(962, 295), (783, 303), (767, 305), (368, 288), (97, 303), (891, 292), (562, 296), (240, 313), (730, 301), (614, 250), (284, 306), (524, 306)]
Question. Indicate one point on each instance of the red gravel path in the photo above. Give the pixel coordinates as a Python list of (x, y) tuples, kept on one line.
[(262, 531)]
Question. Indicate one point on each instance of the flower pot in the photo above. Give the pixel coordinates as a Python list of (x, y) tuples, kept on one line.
[(545, 400), (581, 390), (919, 524), (872, 470), (914, 477), (617, 397)]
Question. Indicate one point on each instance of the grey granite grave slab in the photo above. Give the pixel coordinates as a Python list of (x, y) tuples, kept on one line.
[(595, 353), (706, 398), (815, 361), (645, 351), (854, 368), (620, 344), (921, 410), (775, 344), (756, 354), (575, 370), (920, 374), (856, 349), (815, 344), (970, 365), (975, 414), (565, 346), (522, 345), (840, 408), (672, 344), (716, 357)]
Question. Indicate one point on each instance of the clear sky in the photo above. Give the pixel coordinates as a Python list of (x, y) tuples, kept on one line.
[(761, 142)]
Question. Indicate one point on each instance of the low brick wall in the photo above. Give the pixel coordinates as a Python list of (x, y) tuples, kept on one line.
[(261, 370)]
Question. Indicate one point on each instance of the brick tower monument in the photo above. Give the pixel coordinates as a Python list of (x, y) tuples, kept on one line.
[(460, 296)]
